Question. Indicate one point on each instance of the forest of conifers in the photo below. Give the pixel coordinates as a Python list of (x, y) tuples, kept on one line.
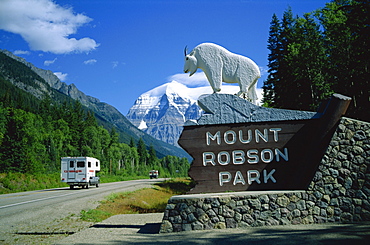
[(321, 53), (35, 134)]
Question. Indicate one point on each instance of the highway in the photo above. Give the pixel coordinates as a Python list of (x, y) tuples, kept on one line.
[(49, 212)]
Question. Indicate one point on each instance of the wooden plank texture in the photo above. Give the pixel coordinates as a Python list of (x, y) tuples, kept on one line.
[(269, 144)]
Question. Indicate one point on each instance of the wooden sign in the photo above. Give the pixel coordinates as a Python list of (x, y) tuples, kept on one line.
[(257, 156)]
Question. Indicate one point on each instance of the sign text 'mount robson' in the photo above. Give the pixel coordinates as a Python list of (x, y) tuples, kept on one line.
[(230, 137), (251, 156)]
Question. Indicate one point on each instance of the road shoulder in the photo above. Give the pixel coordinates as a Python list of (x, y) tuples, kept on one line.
[(143, 228)]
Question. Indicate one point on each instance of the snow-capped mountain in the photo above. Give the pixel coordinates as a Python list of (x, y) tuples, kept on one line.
[(162, 111)]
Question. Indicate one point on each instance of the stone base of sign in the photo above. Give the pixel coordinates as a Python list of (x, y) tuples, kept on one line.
[(339, 192)]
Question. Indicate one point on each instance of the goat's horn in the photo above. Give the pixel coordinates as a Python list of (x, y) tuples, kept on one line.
[(186, 50)]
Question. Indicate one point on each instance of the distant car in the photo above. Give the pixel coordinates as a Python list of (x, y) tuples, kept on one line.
[(153, 174)]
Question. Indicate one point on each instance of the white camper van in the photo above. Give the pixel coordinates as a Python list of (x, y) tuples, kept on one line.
[(80, 171)]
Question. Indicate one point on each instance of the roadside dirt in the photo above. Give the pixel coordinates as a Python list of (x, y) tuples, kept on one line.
[(47, 233)]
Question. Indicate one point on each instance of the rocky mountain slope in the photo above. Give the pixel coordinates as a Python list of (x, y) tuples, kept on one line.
[(106, 114), (162, 111)]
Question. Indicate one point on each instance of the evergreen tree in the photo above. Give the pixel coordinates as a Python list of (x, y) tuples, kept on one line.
[(132, 142), (346, 31), (273, 62), (143, 153), (114, 138), (22, 149), (152, 157), (284, 84), (90, 119), (11, 152), (306, 58), (318, 54), (3, 118)]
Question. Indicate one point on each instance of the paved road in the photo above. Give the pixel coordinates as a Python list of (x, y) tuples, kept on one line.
[(45, 212)]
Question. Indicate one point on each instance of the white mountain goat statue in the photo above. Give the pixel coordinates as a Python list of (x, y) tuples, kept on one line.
[(220, 65)]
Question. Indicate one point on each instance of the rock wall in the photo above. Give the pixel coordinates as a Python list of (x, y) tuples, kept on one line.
[(339, 192)]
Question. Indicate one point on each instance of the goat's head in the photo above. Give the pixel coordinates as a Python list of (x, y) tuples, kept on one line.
[(190, 62)]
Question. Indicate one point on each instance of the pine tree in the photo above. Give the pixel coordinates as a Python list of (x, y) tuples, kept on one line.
[(142, 151), (284, 82), (297, 62), (114, 137), (132, 142), (346, 31), (3, 122), (152, 157), (273, 65), (315, 60), (306, 59), (11, 152)]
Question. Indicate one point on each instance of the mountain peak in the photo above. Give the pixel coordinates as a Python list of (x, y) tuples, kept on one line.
[(162, 111), (171, 88)]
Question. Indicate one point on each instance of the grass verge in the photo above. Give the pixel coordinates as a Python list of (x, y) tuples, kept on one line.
[(148, 200), (17, 182)]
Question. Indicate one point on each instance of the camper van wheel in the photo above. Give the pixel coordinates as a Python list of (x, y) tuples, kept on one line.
[(97, 185), (71, 187)]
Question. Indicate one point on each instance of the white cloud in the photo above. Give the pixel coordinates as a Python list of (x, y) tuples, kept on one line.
[(90, 62), (197, 80), (49, 62), (45, 25), (61, 76), (20, 52), (259, 95)]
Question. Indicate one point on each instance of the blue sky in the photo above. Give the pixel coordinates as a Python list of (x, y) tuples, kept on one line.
[(115, 50)]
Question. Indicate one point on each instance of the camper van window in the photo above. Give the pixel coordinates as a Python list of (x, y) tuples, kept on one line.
[(97, 164), (80, 164), (89, 164), (71, 164)]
